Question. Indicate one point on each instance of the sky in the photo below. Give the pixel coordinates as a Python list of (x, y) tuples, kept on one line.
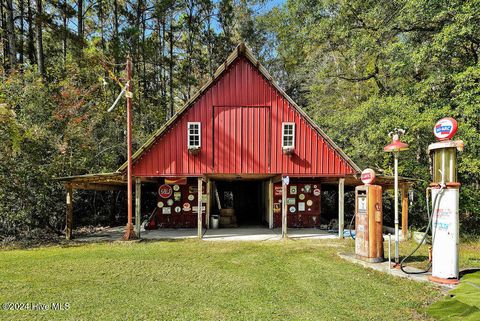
[(269, 4)]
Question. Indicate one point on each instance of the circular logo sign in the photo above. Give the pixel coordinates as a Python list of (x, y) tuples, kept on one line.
[(178, 209), (292, 209), (186, 207), (165, 191), (445, 128), (316, 192), (368, 176)]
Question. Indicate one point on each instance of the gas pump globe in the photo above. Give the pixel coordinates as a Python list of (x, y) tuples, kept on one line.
[(445, 199)]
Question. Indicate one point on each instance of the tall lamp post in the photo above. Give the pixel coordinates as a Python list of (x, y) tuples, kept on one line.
[(129, 233), (395, 147), (127, 91)]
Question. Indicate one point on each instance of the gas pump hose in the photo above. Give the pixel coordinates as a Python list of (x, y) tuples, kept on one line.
[(429, 226), (350, 227)]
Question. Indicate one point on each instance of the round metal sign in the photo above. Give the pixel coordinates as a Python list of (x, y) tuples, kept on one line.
[(368, 176), (165, 191), (445, 128)]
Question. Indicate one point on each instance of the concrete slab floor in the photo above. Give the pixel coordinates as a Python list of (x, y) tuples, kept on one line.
[(116, 234), (385, 268), (254, 233)]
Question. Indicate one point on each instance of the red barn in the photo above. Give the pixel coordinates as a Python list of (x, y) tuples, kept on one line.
[(240, 134), (227, 151)]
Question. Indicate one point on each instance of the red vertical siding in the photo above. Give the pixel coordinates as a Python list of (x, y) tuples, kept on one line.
[(241, 116)]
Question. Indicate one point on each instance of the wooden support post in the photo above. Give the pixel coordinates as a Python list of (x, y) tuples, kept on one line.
[(138, 209), (341, 206), (69, 221), (199, 210), (405, 211), (270, 203), (284, 209), (209, 202)]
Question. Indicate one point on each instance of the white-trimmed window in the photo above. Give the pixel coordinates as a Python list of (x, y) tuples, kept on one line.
[(194, 134), (288, 135)]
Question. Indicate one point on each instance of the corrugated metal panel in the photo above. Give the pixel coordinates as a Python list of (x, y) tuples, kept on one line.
[(241, 140), (241, 116)]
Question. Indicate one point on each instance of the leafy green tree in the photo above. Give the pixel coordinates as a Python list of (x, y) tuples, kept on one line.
[(362, 68)]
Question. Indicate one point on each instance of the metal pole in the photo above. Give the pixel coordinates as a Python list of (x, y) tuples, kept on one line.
[(129, 233), (397, 259), (389, 251)]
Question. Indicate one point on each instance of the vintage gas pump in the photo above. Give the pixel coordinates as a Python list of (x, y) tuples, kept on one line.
[(368, 219), (445, 198)]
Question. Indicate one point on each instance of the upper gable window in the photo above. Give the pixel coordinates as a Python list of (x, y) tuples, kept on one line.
[(288, 135), (194, 134)]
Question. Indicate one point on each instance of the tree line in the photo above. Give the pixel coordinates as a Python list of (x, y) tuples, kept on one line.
[(362, 68), (62, 66), (359, 68)]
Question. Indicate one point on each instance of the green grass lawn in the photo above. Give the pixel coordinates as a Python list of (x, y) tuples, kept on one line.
[(191, 280), (469, 253), (462, 303)]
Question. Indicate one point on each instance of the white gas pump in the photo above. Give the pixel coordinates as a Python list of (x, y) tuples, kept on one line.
[(445, 200)]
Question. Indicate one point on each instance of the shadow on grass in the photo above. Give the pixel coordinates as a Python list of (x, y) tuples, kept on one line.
[(75, 243), (464, 272), (416, 258)]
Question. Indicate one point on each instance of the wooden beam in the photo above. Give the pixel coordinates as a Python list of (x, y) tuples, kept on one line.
[(405, 211), (199, 210), (98, 187), (138, 205), (209, 202), (270, 203), (341, 206), (284, 210), (277, 179), (69, 220)]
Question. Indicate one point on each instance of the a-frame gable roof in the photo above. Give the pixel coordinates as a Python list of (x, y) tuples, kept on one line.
[(240, 50)]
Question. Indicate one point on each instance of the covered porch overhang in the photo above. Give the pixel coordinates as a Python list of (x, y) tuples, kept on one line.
[(114, 181), (118, 181), (96, 182)]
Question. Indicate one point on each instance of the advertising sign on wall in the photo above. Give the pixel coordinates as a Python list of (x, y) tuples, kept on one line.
[(165, 191)]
